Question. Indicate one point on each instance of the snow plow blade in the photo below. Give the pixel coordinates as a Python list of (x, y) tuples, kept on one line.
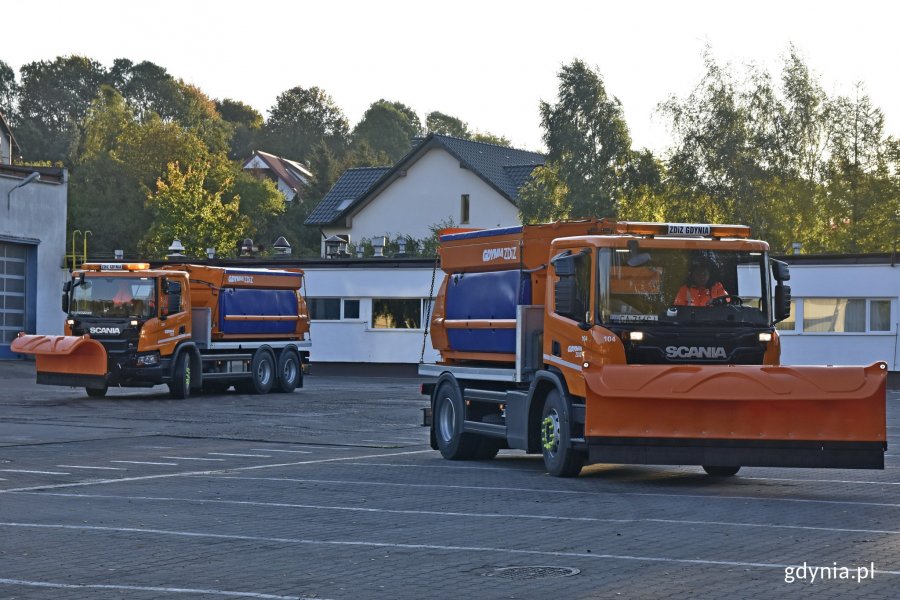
[(816, 416), (64, 359)]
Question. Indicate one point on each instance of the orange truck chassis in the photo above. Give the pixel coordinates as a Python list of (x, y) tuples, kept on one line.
[(564, 339)]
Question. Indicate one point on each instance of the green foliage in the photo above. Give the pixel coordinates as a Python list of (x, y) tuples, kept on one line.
[(302, 118), (54, 97), (387, 128), (588, 139), (443, 124), (544, 198), (247, 126), (183, 208), (9, 90), (490, 138)]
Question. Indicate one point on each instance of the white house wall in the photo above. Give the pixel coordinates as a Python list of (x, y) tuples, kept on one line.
[(429, 194), (356, 340), (36, 221), (871, 282)]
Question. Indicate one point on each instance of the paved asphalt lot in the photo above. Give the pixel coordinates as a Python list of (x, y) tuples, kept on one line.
[(333, 492)]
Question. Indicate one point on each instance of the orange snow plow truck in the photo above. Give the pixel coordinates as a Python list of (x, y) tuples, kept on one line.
[(640, 343), (192, 327)]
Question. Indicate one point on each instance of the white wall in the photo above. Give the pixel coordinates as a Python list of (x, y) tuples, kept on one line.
[(428, 194), (355, 340), (880, 282), (37, 213)]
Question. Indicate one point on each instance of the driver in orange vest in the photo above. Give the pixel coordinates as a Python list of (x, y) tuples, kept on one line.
[(699, 290)]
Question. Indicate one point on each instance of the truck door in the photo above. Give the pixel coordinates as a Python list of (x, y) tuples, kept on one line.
[(176, 309), (570, 316)]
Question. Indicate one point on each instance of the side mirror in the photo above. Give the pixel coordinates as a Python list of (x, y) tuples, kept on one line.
[(65, 301), (780, 271), (67, 286), (164, 285), (635, 258), (782, 302)]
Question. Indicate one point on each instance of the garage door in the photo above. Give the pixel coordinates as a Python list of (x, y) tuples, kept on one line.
[(12, 291)]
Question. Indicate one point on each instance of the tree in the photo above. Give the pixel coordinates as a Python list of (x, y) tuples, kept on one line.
[(302, 118), (544, 197), (246, 123), (183, 208), (9, 90), (588, 141), (54, 99), (490, 138), (388, 127), (443, 124)]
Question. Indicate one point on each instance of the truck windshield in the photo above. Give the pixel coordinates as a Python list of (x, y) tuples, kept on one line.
[(114, 297), (677, 286)]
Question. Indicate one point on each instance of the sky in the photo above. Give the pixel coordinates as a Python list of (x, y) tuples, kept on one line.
[(490, 63)]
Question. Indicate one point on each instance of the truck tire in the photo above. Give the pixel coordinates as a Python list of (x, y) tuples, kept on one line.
[(449, 414), (96, 392), (180, 387), (560, 459), (721, 471), (288, 371), (262, 373)]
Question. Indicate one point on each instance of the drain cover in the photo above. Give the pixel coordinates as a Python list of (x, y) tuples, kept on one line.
[(533, 572)]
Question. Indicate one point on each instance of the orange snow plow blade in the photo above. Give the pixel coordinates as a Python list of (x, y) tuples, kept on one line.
[(795, 416), (63, 359)]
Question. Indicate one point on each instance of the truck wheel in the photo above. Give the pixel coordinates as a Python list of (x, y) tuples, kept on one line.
[(449, 413), (721, 471), (560, 459), (96, 392), (288, 372), (262, 371), (180, 388)]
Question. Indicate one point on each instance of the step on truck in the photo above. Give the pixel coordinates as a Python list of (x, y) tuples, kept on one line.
[(589, 343), (192, 327)]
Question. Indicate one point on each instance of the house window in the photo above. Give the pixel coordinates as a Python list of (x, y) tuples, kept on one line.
[(846, 315), (464, 209), (397, 313), (879, 315), (351, 309), (324, 309), (790, 323)]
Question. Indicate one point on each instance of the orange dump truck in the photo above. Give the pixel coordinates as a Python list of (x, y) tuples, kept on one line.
[(192, 327), (589, 342)]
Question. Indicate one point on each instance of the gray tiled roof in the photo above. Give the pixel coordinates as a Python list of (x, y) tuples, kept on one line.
[(504, 169), (352, 185)]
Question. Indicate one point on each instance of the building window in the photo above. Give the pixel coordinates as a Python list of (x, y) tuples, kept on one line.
[(324, 309), (846, 315), (879, 315), (351, 309), (464, 209), (397, 313), (789, 324)]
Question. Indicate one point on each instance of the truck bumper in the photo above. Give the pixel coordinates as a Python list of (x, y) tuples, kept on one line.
[(728, 415), (727, 453)]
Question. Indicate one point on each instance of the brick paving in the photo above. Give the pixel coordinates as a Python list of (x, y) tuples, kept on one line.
[(332, 492)]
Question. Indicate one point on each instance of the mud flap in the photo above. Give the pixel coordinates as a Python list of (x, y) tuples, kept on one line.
[(65, 360), (797, 416)]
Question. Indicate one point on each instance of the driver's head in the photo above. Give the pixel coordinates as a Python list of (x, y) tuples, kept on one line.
[(700, 272)]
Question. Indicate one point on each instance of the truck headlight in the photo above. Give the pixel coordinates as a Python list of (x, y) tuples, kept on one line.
[(146, 360), (765, 337)]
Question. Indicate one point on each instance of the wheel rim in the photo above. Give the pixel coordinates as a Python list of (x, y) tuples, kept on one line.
[(447, 419), (187, 373), (264, 372), (550, 432), (289, 371)]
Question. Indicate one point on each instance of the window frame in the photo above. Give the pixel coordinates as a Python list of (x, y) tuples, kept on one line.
[(800, 316)]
